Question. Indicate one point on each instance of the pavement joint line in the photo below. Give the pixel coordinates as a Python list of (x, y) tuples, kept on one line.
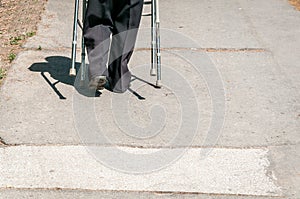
[(146, 147), (2, 142), (209, 50), (136, 191)]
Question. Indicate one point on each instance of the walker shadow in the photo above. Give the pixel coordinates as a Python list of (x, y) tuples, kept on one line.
[(58, 67)]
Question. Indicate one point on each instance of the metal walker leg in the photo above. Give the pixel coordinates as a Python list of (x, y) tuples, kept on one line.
[(155, 42), (83, 65), (74, 42)]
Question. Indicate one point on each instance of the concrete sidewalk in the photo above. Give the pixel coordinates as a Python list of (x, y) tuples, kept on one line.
[(225, 124)]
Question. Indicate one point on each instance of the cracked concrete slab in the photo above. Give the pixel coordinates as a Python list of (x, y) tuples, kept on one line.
[(46, 94)]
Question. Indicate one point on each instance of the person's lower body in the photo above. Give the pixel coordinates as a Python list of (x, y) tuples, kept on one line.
[(109, 57)]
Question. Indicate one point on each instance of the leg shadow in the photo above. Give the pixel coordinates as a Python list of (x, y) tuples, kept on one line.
[(58, 67), (135, 93)]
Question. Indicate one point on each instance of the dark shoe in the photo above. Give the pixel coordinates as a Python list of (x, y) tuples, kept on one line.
[(107, 86), (98, 83)]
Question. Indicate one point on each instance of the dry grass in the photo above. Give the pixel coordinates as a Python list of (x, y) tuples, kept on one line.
[(18, 22), (295, 3)]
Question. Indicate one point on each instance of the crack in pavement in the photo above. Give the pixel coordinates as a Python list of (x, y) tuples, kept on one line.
[(209, 49), (2, 142), (227, 50), (138, 191), (147, 147)]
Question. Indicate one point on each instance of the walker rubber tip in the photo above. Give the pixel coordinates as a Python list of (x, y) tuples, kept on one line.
[(158, 84), (153, 72), (72, 72)]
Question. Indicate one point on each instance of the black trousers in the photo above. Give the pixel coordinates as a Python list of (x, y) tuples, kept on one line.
[(121, 19)]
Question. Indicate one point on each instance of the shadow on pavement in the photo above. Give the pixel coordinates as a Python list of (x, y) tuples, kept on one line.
[(58, 67)]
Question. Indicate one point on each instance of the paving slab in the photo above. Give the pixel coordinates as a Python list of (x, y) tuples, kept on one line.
[(50, 97), (223, 171), (260, 100), (46, 95)]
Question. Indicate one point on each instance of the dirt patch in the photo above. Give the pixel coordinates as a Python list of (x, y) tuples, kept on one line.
[(19, 21), (295, 3)]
